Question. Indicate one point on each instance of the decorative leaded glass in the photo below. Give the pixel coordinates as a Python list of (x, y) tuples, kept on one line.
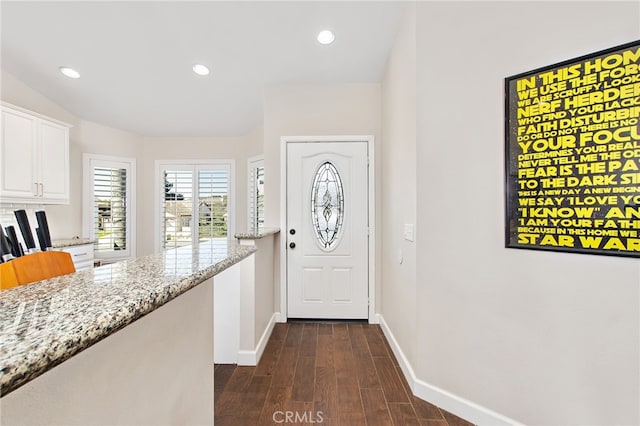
[(327, 205)]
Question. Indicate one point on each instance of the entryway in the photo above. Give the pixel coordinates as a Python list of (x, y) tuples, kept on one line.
[(327, 228)]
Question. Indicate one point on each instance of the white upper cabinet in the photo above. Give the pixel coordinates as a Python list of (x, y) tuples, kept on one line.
[(34, 158), (18, 176), (54, 161)]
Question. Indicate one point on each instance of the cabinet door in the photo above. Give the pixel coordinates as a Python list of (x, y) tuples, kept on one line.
[(54, 161), (18, 156)]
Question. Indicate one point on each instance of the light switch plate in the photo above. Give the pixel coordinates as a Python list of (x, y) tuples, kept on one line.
[(408, 231)]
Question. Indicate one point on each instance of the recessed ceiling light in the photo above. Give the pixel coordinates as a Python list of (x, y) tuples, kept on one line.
[(69, 72), (201, 69), (326, 37)]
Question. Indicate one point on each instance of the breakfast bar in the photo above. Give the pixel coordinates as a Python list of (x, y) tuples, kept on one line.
[(125, 343)]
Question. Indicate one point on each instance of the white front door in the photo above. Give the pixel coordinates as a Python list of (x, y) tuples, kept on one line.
[(327, 230)]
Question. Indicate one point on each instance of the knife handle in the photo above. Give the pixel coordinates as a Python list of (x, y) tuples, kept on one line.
[(5, 248), (13, 240), (41, 240), (23, 223), (43, 225)]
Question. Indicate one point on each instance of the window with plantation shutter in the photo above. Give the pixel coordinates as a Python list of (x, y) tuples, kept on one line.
[(194, 202), (256, 194), (213, 194), (177, 207), (108, 205)]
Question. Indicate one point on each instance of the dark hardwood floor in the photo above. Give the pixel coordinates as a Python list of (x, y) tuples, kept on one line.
[(323, 373)]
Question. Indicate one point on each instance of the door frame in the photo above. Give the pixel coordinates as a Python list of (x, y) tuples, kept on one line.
[(371, 213)]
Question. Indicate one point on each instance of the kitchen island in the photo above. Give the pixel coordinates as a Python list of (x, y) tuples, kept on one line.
[(125, 343)]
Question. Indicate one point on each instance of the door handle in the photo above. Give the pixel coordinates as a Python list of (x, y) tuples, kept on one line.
[(292, 245)]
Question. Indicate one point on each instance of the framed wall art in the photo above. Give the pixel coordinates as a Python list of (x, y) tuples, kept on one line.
[(572, 155)]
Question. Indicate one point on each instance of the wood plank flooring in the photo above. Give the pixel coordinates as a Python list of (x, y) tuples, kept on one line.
[(323, 373)]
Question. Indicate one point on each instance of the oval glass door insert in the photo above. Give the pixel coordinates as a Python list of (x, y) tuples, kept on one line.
[(327, 205)]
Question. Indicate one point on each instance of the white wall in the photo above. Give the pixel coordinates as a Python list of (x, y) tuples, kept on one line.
[(398, 160), (314, 110), (14, 91), (255, 142), (84, 137), (543, 338), (265, 287)]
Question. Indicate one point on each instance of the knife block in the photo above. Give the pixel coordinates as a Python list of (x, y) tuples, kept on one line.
[(35, 267)]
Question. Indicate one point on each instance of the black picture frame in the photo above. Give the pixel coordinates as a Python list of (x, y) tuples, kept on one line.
[(572, 155)]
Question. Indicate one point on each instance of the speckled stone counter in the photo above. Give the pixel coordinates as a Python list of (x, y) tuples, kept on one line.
[(70, 242), (256, 235), (45, 323)]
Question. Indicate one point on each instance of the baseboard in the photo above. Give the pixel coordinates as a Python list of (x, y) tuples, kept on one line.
[(459, 406), (375, 319), (455, 404), (405, 366), (264, 339), (253, 357)]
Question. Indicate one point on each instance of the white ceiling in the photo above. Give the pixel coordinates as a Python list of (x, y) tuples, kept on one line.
[(135, 58)]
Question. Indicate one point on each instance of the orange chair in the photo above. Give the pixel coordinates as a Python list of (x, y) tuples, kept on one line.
[(35, 267)]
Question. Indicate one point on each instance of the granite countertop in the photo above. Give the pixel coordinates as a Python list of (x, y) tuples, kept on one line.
[(70, 242), (256, 235), (45, 323)]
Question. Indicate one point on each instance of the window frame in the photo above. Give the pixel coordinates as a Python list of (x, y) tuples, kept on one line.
[(89, 161), (327, 245), (253, 163), (193, 166)]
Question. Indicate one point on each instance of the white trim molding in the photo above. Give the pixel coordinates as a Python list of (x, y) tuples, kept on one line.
[(253, 357), (455, 404), (282, 317), (253, 164), (89, 161)]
